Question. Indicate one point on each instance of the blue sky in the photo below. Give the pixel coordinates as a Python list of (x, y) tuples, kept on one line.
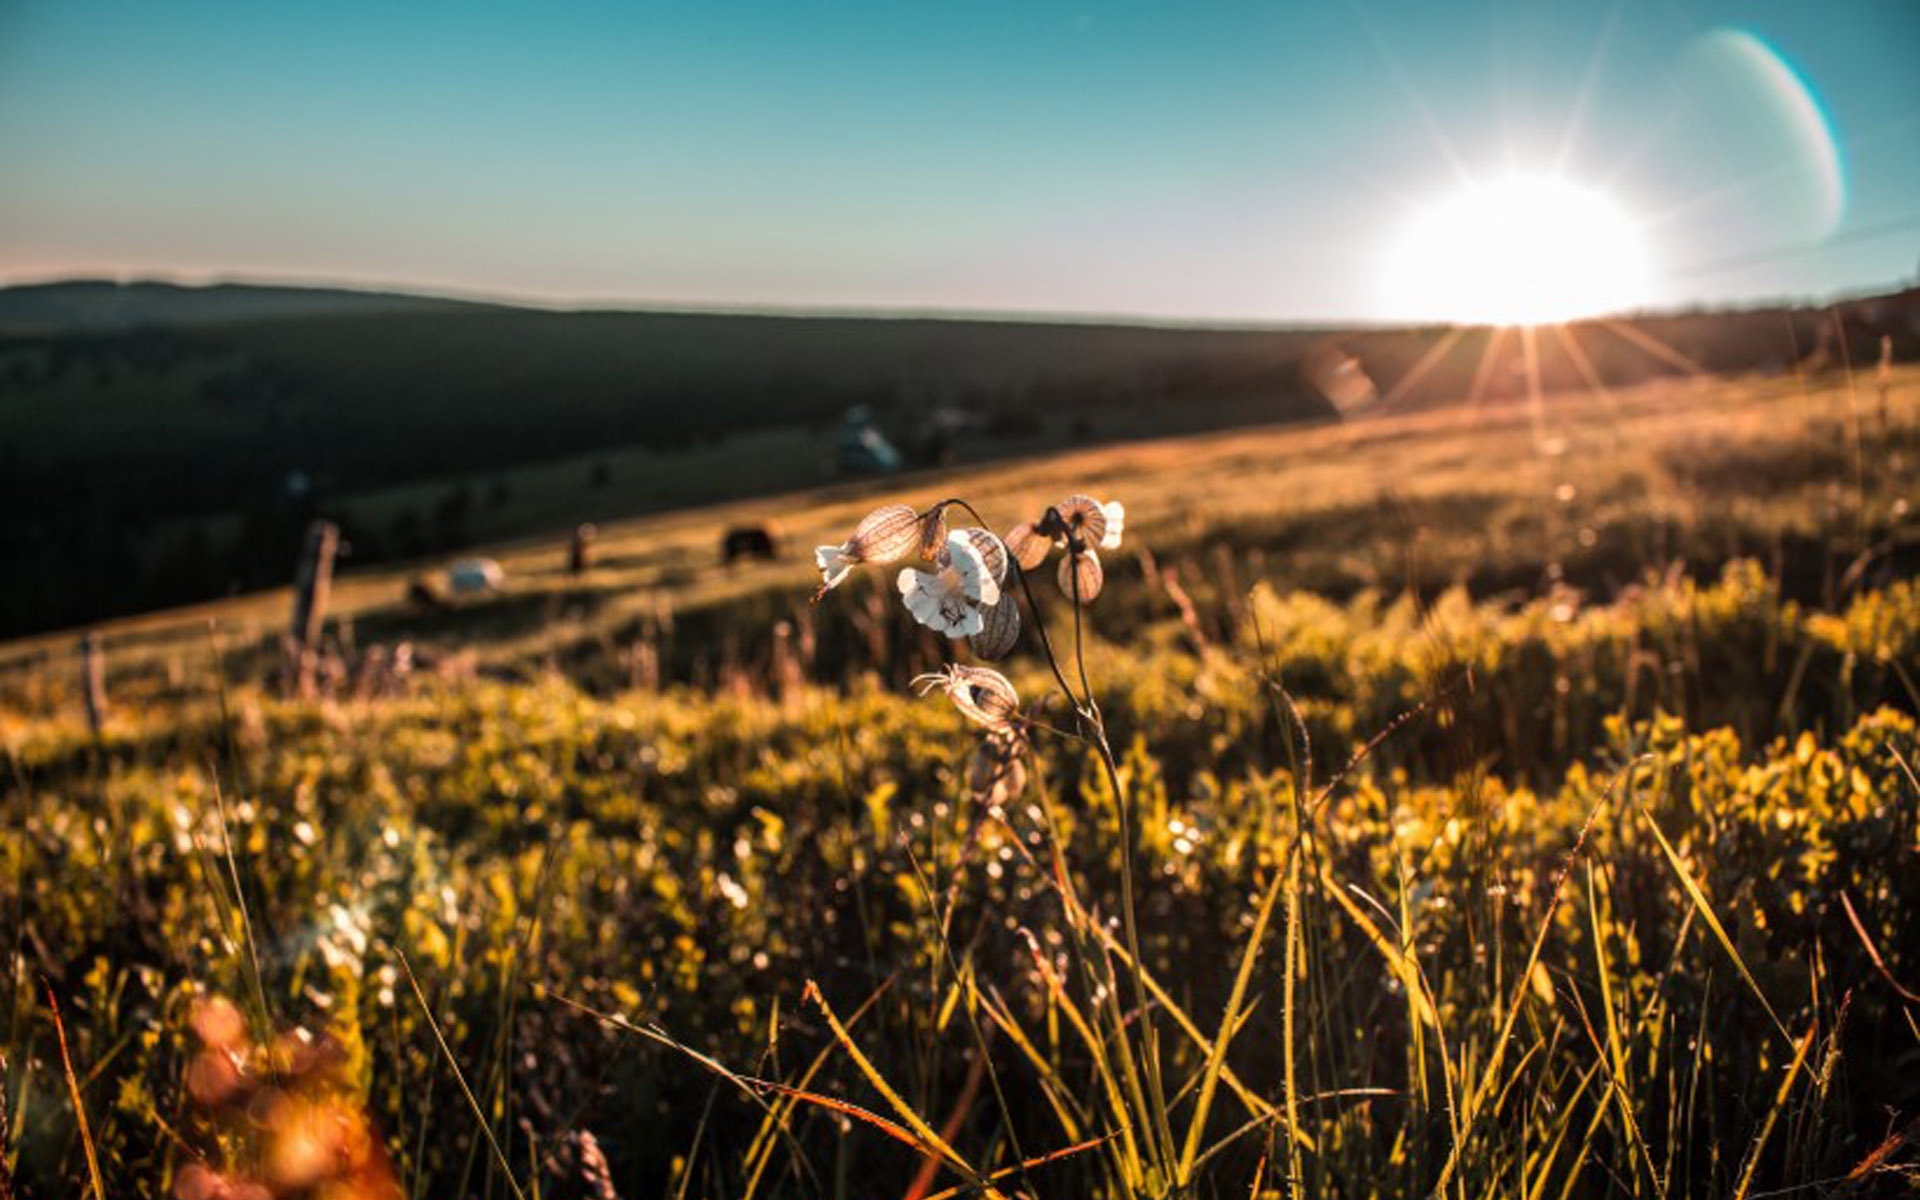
[(1170, 159)]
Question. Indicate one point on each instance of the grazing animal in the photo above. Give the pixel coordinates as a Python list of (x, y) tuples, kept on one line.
[(754, 542), (421, 594), (475, 576)]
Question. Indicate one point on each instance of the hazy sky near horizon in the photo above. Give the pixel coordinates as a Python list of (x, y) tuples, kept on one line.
[(1158, 158)]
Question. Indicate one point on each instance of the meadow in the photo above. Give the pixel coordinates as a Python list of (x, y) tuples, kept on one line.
[(162, 445), (1510, 798)]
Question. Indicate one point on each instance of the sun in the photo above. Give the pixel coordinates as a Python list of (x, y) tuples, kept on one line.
[(1518, 250)]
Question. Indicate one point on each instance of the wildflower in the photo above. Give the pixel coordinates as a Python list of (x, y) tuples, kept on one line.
[(965, 580), (199, 1182), (1081, 526), (1077, 523), (307, 1137), (884, 535), (218, 1024), (980, 693)]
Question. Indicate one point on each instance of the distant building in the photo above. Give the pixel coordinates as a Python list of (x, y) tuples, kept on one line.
[(861, 448)]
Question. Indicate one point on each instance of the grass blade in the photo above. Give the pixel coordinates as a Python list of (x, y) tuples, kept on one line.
[(1773, 1114), (73, 1090), (1229, 1022), (1699, 899), (931, 1140)]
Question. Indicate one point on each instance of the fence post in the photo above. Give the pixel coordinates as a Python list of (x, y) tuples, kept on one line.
[(1883, 378), (310, 586), (93, 681), (580, 549)]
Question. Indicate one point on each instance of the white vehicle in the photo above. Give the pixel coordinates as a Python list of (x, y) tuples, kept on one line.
[(475, 577)]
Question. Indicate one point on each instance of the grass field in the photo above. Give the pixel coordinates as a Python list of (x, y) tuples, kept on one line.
[(162, 445), (1507, 799)]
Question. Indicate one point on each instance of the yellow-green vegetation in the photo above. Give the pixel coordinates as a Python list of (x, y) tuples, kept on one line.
[(1512, 804)]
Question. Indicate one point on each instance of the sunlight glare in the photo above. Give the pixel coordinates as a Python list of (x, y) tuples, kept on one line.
[(1521, 250)]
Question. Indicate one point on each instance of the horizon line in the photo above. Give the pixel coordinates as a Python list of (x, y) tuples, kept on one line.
[(191, 281)]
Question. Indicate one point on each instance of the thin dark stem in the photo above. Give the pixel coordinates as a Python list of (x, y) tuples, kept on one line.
[(1079, 654), (1079, 706), (1095, 734), (1123, 804)]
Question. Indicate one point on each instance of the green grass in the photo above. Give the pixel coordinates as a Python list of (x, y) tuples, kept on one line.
[(1467, 856)]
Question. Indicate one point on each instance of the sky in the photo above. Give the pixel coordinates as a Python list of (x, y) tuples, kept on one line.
[(1187, 160)]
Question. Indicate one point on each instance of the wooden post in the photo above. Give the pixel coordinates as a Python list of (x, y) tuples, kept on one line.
[(93, 681), (1884, 378), (310, 586), (580, 550)]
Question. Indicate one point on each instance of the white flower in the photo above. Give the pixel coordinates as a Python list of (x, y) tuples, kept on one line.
[(1116, 514), (834, 563), (950, 597), (884, 535)]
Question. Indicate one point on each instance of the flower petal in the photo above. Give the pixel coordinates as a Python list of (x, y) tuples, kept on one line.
[(992, 551), (1116, 514), (939, 600), (967, 622), (834, 563), (962, 557)]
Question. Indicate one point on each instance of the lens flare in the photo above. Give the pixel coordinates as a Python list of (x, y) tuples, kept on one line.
[(1771, 163), (1520, 250)]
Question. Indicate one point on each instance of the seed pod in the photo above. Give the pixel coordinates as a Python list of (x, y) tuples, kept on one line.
[(885, 535), (997, 775), (980, 693), (1001, 629), (1081, 576), (1085, 518), (933, 533), (1028, 546)]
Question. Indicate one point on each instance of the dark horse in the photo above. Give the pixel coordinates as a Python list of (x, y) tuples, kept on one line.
[(752, 542)]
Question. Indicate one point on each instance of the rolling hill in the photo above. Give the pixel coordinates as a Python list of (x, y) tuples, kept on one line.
[(161, 444)]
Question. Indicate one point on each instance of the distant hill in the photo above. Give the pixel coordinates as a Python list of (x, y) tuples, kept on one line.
[(100, 305), (161, 444)]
